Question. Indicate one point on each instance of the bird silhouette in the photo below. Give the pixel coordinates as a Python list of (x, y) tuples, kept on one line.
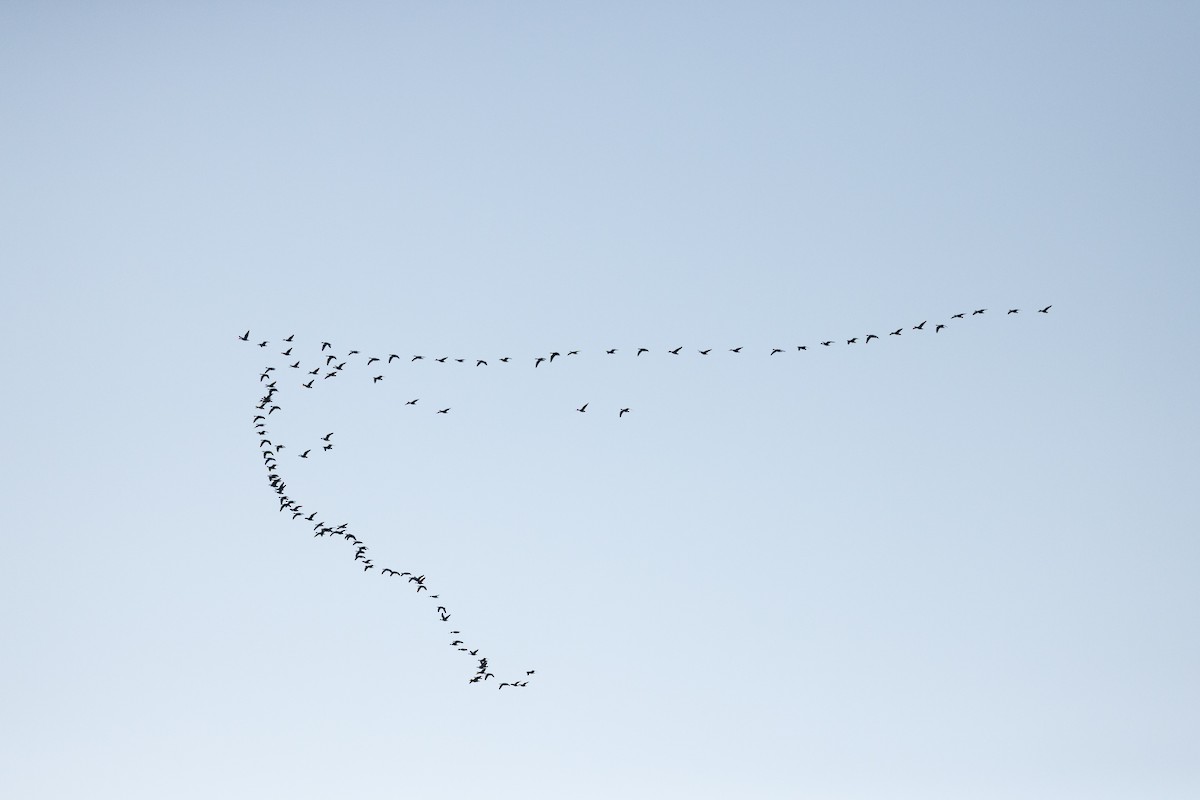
[(642, 350), (675, 352), (371, 359), (245, 337), (852, 341), (377, 379), (391, 357), (327, 436), (735, 349), (444, 411), (582, 408), (538, 361), (705, 352), (1013, 310), (623, 412), (305, 453), (412, 402), (776, 350), (480, 363), (896, 332), (870, 336), (826, 344), (1045, 310), (938, 328), (920, 327), (610, 352), (959, 316), (978, 311)]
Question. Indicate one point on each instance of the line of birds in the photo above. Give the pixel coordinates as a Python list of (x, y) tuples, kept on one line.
[(270, 455), (335, 365)]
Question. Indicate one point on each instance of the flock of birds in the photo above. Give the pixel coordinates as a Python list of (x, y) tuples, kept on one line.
[(327, 364)]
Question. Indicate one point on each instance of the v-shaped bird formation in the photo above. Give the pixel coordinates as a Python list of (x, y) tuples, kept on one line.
[(327, 364)]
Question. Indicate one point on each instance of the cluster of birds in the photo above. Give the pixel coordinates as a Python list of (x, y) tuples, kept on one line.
[(334, 365), (271, 452)]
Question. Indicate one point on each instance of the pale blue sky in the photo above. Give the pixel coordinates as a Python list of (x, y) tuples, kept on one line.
[(944, 566)]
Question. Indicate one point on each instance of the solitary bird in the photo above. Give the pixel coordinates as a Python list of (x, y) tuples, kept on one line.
[(327, 436), (582, 408), (377, 379), (624, 411), (610, 352), (1045, 310), (412, 402), (444, 411)]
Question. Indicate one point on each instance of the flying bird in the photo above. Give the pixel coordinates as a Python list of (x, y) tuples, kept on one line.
[(938, 329), (412, 402), (776, 350), (978, 311), (624, 411), (705, 352), (245, 337), (675, 352), (377, 379), (896, 332), (870, 336), (305, 453), (642, 350), (582, 408), (610, 352), (735, 349), (920, 327), (959, 316), (1013, 310), (1045, 310), (444, 411)]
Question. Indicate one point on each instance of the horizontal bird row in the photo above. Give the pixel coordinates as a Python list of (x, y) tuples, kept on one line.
[(334, 364)]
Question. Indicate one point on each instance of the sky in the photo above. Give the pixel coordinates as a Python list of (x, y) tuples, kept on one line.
[(946, 564)]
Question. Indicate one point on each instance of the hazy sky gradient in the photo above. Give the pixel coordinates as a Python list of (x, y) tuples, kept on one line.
[(961, 565)]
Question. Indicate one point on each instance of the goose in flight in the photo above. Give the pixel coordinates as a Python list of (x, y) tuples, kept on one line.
[(327, 436), (480, 363), (1045, 310), (920, 327), (325, 346), (307, 385), (327, 447), (642, 350), (263, 344), (295, 366), (803, 347), (287, 352), (305, 453), (776, 350), (826, 344), (377, 379), (392, 356), (412, 402), (624, 411), (675, 352), (978, 311), (959, 316), (582, 408), (852, 341), (245, 337), (444, 411), (1013, 310), (938, 328), (896, 332), (538, 361), (610, 352), (705, 352), (504, 360), (371, 359), (870, 336), (735, 349), (416, 358), (552, 355)]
